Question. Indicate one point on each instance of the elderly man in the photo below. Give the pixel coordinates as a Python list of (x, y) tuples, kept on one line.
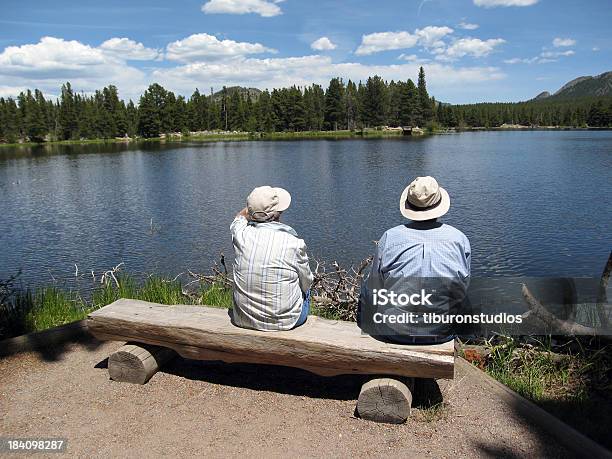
[(420, 272), (272, 276)]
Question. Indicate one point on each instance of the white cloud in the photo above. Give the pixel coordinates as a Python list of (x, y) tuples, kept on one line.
[(304, 70), (467, 26), (12, 91), (48, 64), (52, 54), (544, 57), (429, 37), (595, 48), (204, 46), (561, 42), (413, 58), (323, 44), (53, 61), (494, 3), (469, 47), (264, 8), (127, 49), (518, 60), (553, 54), (383, 41)]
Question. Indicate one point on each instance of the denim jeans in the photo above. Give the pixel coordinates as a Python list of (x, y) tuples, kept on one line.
[(305, 310)]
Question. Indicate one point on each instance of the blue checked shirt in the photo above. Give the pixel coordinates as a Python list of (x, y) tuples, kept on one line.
[(412, 256), (271, 275)]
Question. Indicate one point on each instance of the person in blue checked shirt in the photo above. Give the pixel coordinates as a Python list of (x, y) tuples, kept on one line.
[(420, 272)]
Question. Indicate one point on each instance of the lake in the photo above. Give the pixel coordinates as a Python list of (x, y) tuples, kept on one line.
[(532, 203)]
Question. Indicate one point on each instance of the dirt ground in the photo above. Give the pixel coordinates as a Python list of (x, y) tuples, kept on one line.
[(213, 409)]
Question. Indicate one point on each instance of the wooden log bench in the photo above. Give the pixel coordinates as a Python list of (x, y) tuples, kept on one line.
[(155, 332)]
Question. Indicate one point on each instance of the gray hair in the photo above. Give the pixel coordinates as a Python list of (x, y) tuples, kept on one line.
[(265, 217)]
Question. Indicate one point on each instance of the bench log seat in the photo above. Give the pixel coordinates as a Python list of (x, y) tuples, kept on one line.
[(321, 346), (325, 347)]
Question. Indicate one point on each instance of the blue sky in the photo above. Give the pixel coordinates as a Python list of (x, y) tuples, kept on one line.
[(472, 50)]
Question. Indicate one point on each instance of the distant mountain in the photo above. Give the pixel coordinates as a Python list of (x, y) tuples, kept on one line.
[(252, 93), (584, 86), (542, 95)]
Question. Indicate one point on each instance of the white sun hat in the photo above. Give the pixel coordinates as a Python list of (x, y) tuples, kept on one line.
[(265, 200), (424, 199)]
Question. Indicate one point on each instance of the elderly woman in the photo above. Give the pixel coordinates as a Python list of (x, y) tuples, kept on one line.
[(271, 273)]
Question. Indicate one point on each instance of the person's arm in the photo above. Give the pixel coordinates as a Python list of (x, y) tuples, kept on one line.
[(467, 253), (373, 280), (305, 275), (376, 279), (240, 222)]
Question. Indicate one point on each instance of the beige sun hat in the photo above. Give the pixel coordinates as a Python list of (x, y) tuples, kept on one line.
[(424, 199), (265, 200)]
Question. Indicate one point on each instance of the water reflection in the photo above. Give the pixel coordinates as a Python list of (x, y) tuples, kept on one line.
[(532, 203)]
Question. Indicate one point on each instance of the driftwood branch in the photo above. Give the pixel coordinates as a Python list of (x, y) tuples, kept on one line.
[(336, 289), (110, 274), (538, 311), (560, 326)]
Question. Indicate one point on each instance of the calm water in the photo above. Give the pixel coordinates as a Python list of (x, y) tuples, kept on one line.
[(532, 203)]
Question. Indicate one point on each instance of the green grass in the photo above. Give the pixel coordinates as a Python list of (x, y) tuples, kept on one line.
[(28, 311), (525, 372), (573, 383), (432, 413), (217, 296), (54, 307)]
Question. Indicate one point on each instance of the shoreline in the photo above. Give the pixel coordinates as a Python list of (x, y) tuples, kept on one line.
[(219, 137), (302, 135)]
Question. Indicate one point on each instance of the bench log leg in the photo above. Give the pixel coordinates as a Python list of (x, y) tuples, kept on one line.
[(136, 363), (385, 400)]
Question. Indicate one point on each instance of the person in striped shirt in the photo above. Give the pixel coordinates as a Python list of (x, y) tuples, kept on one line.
[(272, 276)]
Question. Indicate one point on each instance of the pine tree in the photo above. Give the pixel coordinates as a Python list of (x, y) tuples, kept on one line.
[(10, 123), (180, 122), (296, 113), (168, 111), (351, 103), (235, 111), (36, 126), (408, 103), (265, 119), (424, 114), (67, 115), (334, 105), (599, 115), (149, 122), (375, 102), (393, 103), (131, 115)]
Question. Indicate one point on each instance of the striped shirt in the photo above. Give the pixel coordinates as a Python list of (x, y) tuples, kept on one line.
[(271, 275)]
